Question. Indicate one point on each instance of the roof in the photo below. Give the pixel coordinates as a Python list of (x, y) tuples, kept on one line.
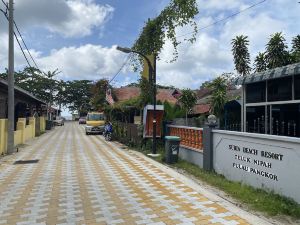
[(201, 109), (126, 93), (22, 91), (289, 70)]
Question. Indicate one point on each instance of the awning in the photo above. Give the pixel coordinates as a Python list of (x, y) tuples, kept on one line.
[(289, 70)]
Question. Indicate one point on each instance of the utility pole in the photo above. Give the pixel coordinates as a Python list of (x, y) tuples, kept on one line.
[(11, 81)]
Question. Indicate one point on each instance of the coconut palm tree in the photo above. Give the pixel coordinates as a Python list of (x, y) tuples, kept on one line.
[(241, 54), (296, 49), (260, 63), (277, 54)]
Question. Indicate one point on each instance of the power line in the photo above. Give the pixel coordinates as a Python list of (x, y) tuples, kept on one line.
[(122, 66), (5, 14), (224, 19), (18, 30)]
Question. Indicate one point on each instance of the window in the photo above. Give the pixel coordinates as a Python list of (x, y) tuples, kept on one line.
[(255, 119), (256, 92), (297, 87), (286, 120), (95, 117), (280, 89)]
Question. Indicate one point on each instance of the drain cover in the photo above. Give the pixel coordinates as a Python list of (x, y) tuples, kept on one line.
[(26, 161)]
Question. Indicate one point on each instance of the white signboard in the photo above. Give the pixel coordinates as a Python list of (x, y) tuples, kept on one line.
[(272, 164)]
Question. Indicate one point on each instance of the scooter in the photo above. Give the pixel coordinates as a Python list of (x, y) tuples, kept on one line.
[(108, 132), (108, 136)]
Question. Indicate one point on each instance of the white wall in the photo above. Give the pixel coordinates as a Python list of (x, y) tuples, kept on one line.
[(263, 161)]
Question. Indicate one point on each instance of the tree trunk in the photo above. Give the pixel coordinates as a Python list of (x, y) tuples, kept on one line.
[(186, 120)]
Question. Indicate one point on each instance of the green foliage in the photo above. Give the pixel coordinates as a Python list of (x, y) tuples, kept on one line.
[(99, 94), (219, 95), (277, 53), (295, 52), (172, 111), (43, 85), (78, 95), (241, 54), (188, 100), (156, 31), (260, 63), (257, 199), (146, 92)]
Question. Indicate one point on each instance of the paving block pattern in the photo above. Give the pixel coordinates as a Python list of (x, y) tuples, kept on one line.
[(82, 179)]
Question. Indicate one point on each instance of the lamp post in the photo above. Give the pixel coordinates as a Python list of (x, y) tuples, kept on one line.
[(152, 78)]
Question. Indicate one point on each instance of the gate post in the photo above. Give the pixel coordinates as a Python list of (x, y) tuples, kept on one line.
[(208, 143)]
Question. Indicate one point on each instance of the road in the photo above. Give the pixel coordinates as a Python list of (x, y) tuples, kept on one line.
[(81, 179)]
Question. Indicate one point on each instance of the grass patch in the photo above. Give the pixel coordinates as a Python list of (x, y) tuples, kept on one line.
[(256, 199)]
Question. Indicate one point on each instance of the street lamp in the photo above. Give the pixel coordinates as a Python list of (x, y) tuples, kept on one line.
[(152, 78)]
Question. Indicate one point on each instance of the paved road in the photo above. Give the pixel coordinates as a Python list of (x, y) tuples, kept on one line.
[(82, 179)]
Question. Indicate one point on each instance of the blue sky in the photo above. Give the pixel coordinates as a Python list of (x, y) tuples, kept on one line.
[(79, 36)]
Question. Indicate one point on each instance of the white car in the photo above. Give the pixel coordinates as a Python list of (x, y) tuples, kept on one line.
[(59, 122)]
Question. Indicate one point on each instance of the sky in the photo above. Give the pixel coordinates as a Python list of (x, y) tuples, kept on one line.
[(79, 37)]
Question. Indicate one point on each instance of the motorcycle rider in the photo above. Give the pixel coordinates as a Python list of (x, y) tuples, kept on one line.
[(108, 128)]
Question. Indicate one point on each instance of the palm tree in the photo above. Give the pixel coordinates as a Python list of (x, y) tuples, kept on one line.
[(219, 95), (241, 54), (260, 63), (296, 49), (277, 54)]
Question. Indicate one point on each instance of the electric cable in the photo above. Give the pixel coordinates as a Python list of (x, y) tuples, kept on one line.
[(123, 65), (224, 19), (21, 36), (5, 14)]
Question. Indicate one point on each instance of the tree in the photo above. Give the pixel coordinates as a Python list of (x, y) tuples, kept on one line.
[(99, 94), (295, 52), (277, 54), (260, 63), (241, 54), (158, 30), (146, 92), (219, 95), (188, 100), (172, 111), (78, 95)]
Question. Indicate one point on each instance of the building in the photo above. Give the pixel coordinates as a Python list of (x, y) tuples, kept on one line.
[(26, 104), (271, 101)]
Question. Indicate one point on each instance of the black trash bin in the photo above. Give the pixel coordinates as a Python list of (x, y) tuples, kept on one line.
[(172, 149), (49, 124)]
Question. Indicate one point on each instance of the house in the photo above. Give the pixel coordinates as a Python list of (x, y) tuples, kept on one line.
[(125, 93), (271, 101), (26, 104)]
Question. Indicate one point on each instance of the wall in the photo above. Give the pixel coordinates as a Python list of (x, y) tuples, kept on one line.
[(262, 161), (22, 134), (192, 156), (3, 136)]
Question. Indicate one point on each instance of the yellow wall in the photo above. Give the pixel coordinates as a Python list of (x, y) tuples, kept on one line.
[(42, 124), (22, 134), (3, 136)]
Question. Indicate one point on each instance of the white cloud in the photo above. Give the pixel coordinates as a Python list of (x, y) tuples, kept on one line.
[(211, 54), (70, 18), (85, 62)]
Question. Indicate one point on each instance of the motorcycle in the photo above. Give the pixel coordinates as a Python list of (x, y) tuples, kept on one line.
[(108, 136), (108, 132)]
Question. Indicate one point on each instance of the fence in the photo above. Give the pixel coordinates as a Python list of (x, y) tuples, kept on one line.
[(22, 134), (191, 137), (127, 133)]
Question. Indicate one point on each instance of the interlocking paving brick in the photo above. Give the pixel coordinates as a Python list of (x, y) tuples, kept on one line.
[(82, 179)]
